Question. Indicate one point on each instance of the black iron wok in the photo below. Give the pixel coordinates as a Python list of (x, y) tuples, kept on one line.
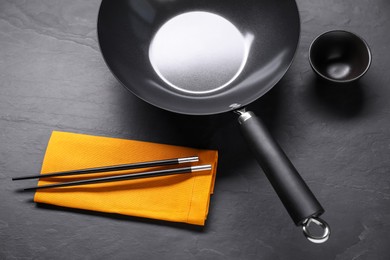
[(208, 57)]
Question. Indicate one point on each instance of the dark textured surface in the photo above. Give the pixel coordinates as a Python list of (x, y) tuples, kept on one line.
[(52, 77)]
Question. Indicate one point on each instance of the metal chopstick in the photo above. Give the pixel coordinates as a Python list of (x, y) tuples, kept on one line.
[(120, 167), (126, 177)]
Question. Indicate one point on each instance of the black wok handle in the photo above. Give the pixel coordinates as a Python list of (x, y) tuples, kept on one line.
[(296, 196)]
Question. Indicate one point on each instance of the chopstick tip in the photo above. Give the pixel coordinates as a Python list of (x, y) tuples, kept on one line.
[(188, 159), (197, 168)]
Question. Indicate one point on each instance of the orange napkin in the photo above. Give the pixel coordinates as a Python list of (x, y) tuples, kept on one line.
[(178, 198)]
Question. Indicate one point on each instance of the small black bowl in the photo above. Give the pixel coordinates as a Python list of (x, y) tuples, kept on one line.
[(339, 56)]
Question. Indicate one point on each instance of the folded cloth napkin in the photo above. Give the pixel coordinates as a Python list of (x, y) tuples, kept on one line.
[(179, 198)]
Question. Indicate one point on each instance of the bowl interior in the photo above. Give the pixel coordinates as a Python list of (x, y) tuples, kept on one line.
[(340, 56)]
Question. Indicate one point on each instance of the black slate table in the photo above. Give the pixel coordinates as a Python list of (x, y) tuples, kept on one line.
[(53, 77)]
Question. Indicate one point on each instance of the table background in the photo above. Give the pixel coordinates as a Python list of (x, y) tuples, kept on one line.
[(53, 77)]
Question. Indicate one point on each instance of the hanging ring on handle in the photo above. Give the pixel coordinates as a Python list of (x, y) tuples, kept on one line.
[(319, 222)]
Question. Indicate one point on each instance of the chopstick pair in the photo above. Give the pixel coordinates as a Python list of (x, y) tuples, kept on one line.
[(120, 167)]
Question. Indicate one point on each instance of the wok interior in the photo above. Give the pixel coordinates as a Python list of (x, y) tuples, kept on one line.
[(198, 52), (126, 30)]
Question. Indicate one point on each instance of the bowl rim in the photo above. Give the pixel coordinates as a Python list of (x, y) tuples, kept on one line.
[(340, 80)]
